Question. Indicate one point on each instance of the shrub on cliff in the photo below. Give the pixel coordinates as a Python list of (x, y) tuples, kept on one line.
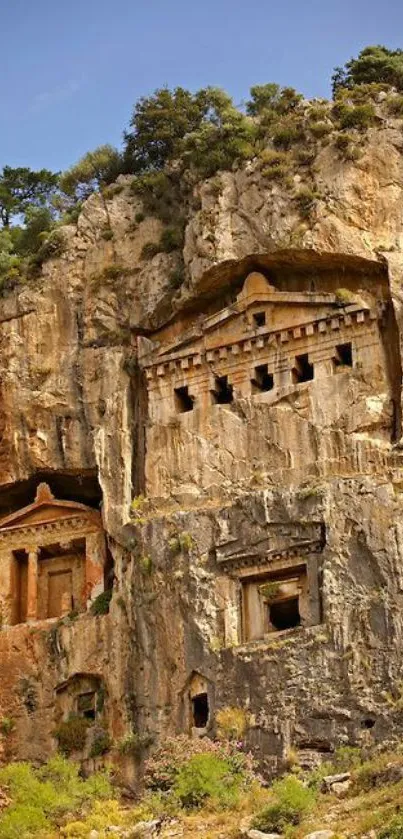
[(231, 723), (96, 169), (291, 802), (71, 734), (162, 768), (272, 100), (101, 604), (208, 777), (354, 116), (373, 64)]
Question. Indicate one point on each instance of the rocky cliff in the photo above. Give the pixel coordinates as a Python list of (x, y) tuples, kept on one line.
[(313, 470)]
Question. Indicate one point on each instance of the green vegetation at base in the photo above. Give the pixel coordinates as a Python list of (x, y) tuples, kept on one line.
[(40, 799), (202, 783), (291, 802)]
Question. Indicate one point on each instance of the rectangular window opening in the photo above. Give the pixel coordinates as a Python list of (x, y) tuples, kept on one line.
[(343, 356), (184, 402), (302, 370), (259, 319), (275, 603), (223, 392), (262, 380), (86, 705)]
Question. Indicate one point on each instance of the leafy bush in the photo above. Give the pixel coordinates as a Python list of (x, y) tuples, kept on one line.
[(392, 830), (305, 199), (271, 99), (275, 164), (291, 802), (134, 743), (354, 116), (347, 758), (182, 542), (103, 814), (381, 770), (171, 239), (23, 820), (101, 742), (139, 507), (286, 132), (320, 129), (395, 106), (373, 64), (71, 734), (109, 192), (162, 767), (318, 112), (100, 606), (107, 234), (40, 797), (96, 169), (149, 250), (231, 723), (345, 143), (207, 777), (305, 155), (146, 565), (344, 297), (159, 194), (7, 725)]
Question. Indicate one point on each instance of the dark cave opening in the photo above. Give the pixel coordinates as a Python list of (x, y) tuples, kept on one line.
[(200, 710), (284, 614)]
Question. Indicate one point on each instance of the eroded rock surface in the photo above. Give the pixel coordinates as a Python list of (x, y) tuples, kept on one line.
[(295, 491)]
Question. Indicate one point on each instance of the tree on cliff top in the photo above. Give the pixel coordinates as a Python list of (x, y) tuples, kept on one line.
[(373, 64), (97, 168), (204, 128), (21, 188), (159, 123)]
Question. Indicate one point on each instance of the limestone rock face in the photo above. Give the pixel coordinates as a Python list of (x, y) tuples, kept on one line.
[(262, 563)]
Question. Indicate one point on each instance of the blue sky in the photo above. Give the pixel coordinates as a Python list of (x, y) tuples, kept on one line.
[(72, 70)]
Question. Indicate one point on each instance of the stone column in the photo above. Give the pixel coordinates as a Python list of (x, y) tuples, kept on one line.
[(32, 584)]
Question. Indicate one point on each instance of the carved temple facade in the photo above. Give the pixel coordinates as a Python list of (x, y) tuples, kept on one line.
[(266, 342), (52, 557)]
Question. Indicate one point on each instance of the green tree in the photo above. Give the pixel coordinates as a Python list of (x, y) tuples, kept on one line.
[(158, 125), (97, 168), (223, 136), (373, 64), (272, 97), (29, 237), (204, 130), (22, 187)]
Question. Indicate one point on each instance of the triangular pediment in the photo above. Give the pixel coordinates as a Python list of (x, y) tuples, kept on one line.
[(46, 509), (260, 309)]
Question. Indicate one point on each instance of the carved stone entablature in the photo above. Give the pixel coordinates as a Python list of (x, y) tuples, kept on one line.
[(262, 319), (237, 562), (46, 534), (278, 541)]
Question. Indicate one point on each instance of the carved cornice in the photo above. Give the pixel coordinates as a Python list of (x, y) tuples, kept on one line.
[(301, 551), (195, 357), (46, 533)]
